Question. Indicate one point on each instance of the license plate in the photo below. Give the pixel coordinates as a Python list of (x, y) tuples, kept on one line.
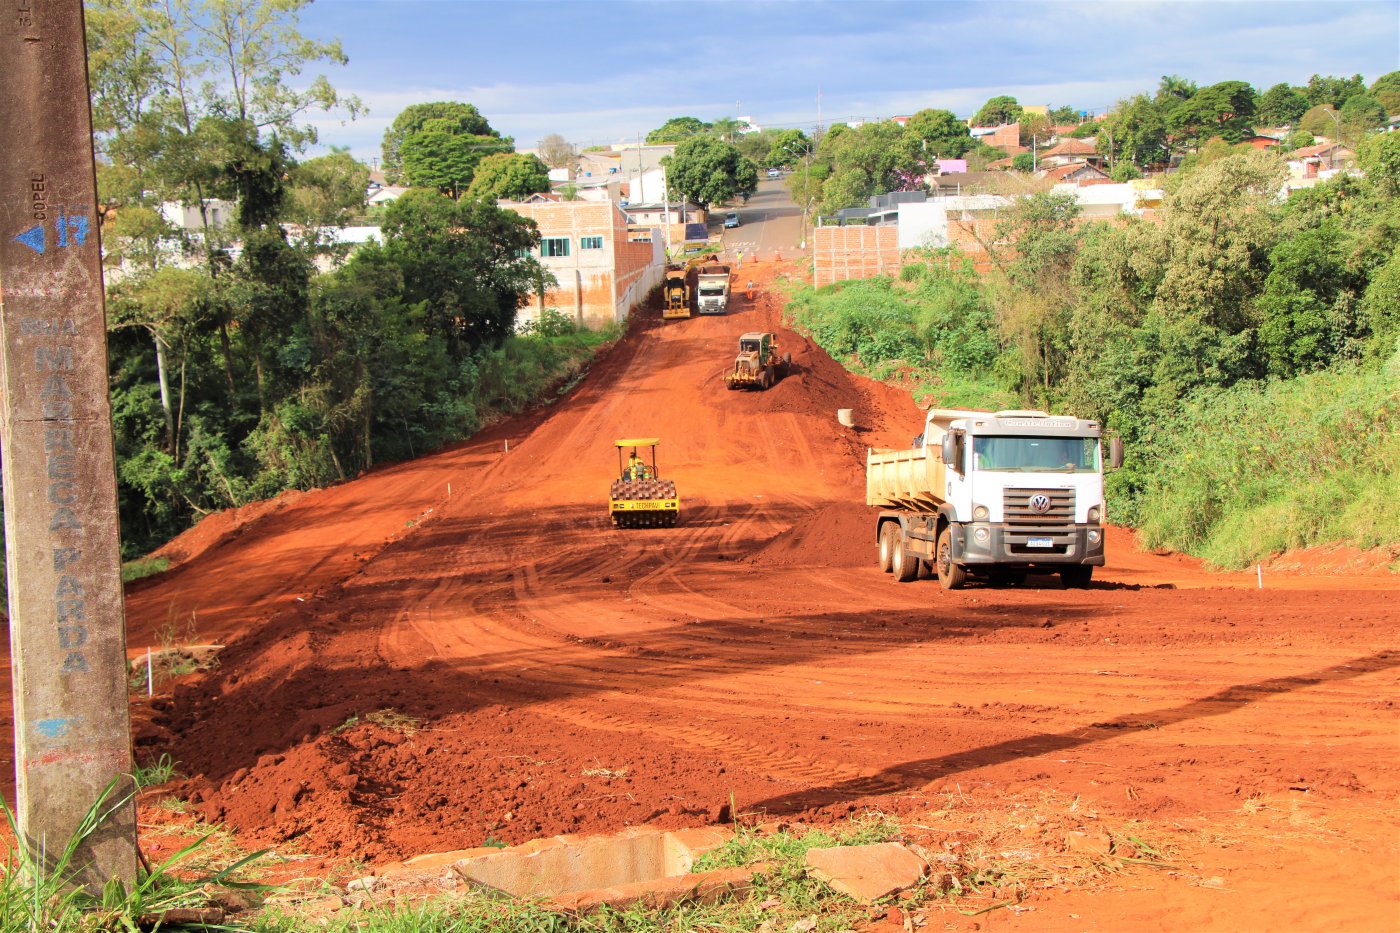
[(1040, 542)]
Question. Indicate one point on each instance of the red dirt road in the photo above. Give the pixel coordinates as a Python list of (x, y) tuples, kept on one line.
[(570, 676)]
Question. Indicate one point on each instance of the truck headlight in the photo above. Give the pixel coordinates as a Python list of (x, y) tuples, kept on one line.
[(981, 534), (1094, 514), (1094, 535), (980, 513)]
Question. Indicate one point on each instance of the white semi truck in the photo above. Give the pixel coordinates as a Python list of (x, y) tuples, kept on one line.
[(996, 494)]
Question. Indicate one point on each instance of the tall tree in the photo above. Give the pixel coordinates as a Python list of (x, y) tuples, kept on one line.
[(469, 261), (1281, 105), (508, 176), (1386, 89), (1330, 89), (462, 120), (439, 156), (933, 134), (727, 129), (788, 148), (676, 129), (998, 110), (708, 171), (1225, 110)]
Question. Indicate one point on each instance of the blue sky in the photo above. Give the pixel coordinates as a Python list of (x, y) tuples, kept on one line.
[(598, 72)]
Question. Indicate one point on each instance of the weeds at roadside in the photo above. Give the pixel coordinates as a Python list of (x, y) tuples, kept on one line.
[(37, 889), (144, 567), (157, 772)]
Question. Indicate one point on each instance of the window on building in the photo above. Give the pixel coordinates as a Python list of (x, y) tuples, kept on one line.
[(554, 246), (590, 242)]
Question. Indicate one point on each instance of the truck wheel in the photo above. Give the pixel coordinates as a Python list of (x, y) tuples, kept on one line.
[(889, 537), (1076, 577), (903, 565), (951, 576)]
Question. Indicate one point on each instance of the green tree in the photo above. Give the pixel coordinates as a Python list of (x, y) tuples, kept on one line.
[(1135, 130), (1332, 90), (1023, 162), (1386, 89), (997, 111), (933, 134), (468, 261), (1035, 130), (1361, 113), (328, 191), (865, 161), (726, 129), (1225, 110), (1126, 171), (1086, 129), (1063, 116), (708, 171), (462, 120), (439, 157), (1322, 120), (508, 176), (1281, 105), (677, 129), (788, 148)]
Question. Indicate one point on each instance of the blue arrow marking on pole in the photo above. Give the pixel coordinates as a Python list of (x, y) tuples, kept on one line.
[(33, 238)]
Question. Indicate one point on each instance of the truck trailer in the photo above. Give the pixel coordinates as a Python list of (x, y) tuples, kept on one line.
[(992, 494)]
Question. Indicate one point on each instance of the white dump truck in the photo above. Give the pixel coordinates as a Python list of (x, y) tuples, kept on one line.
[(996, 494), (712, 289)]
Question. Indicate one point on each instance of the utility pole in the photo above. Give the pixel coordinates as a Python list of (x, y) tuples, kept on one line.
[(67, 628)]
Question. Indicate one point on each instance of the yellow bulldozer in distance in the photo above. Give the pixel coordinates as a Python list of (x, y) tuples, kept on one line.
[(639, 497)]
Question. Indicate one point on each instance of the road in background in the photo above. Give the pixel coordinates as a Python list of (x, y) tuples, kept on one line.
[(770, 223)]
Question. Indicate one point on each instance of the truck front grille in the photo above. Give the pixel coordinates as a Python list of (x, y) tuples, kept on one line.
[(1020, 516)]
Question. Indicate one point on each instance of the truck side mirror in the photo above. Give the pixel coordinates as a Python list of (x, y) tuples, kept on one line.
[(1115, 452), (950, 451)]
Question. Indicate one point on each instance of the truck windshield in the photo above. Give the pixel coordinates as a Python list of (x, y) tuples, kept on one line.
[(1036, 454), (712, 289)]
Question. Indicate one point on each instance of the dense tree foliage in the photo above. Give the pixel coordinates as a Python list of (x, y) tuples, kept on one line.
[(508, 176), (998, 110), (1255, 339), (708, 171), (1281, 105), (461, 120), (677, 129)]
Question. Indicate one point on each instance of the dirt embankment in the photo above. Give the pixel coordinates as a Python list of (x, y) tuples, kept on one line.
[(411, 670)]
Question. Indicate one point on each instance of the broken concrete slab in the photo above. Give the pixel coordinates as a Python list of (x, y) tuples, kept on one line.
[(867, 873), (701, 887)]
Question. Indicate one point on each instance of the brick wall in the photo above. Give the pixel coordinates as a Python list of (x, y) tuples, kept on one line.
[(840, 253), (595, 286)]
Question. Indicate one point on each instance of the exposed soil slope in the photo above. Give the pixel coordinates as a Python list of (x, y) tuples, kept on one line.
[(564, 675)]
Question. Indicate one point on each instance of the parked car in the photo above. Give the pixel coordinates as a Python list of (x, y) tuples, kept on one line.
[(774, 173), (731, 219)]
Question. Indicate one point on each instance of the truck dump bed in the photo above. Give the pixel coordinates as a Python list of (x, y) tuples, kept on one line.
[(912, 479), (905, 479)]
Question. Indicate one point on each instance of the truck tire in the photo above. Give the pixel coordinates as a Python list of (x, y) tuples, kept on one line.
[(903, 565), (763, 379), (1076, 577), (889, 537), (951, 576)]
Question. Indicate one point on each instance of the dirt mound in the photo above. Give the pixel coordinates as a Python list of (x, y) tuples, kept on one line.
[(839, 535), (219, 527)]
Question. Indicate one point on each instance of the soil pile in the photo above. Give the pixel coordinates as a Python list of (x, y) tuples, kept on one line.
[(838, 535)]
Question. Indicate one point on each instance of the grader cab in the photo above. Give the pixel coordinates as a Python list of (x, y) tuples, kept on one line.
[(640, 498)]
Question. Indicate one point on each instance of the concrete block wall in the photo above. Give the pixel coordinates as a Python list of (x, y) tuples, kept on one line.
[(840, 253)]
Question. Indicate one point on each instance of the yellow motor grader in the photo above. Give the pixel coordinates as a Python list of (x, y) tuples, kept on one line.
[(639, 497), (758, 364)]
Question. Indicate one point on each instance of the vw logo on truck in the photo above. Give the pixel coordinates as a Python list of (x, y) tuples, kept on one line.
[(1040, 503)]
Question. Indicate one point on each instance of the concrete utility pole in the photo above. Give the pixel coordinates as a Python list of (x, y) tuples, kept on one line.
[(67, 626)]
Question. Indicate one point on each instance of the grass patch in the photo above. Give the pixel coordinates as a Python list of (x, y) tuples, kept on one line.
[(144, 567), (387, 718), (157, 772), (1255, 470)]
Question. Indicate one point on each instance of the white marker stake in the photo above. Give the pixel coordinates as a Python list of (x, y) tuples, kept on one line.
[(150, 683), (1259, 568)]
